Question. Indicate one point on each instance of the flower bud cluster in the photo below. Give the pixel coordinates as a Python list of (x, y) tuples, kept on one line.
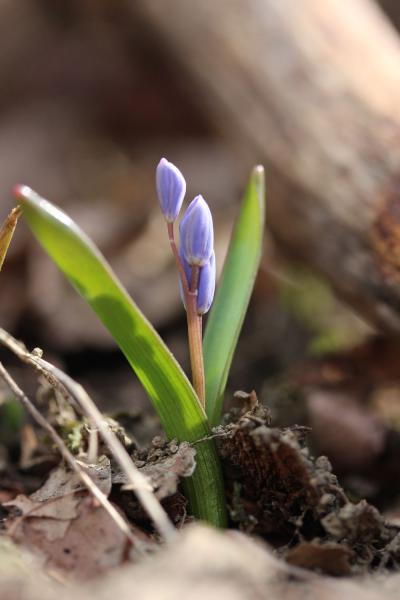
[(196, 231)]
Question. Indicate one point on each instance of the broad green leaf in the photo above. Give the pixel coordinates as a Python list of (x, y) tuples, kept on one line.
[(234, 290), (6, 232), (167, 386)]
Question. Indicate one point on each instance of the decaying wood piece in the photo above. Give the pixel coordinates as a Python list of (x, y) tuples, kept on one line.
[(276, 489), (312, 89)]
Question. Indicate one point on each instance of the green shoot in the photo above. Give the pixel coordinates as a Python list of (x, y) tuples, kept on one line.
[(233, 295), (168, 388)]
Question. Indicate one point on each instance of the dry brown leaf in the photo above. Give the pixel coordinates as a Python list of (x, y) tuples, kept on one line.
[(58, 498), (83, 546), (64, 526), (329, 558)]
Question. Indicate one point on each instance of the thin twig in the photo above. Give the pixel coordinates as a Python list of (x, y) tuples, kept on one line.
[(213, 436), (22, 352), (68, 457), (93, 445), (62, 381)]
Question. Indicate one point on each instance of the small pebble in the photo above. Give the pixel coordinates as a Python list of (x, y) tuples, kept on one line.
[(157, 442)]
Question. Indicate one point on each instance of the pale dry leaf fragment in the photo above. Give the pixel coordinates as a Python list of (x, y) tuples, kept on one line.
[(7, 231), (59, 483), (100, 473), (62, 508), (47, 528), (164, 473), (58, 498)]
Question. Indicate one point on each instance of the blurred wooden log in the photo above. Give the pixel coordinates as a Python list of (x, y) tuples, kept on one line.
[(392, 9), (313, 90)]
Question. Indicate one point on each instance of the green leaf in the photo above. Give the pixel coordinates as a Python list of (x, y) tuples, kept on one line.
[(167, 386), (233, 295)]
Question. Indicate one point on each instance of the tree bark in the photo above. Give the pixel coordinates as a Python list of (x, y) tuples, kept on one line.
[(312, 90)]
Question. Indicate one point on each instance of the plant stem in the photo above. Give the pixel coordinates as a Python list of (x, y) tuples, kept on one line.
[(194, 321), (205, 488), (195, 339)]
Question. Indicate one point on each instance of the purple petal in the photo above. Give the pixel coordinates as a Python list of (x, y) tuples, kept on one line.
[(206, 287), (171, 189), (197, 232)]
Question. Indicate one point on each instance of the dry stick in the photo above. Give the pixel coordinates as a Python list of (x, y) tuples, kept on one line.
[(193, 320), (68, 457), (93, 445), (138, 482)]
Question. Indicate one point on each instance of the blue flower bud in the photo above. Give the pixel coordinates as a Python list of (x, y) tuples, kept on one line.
[(197, 233), (206, 288), (206, 283), (171, 189)]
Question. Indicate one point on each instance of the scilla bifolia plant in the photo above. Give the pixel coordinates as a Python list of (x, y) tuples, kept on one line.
[(195, 260), (185, 413)]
